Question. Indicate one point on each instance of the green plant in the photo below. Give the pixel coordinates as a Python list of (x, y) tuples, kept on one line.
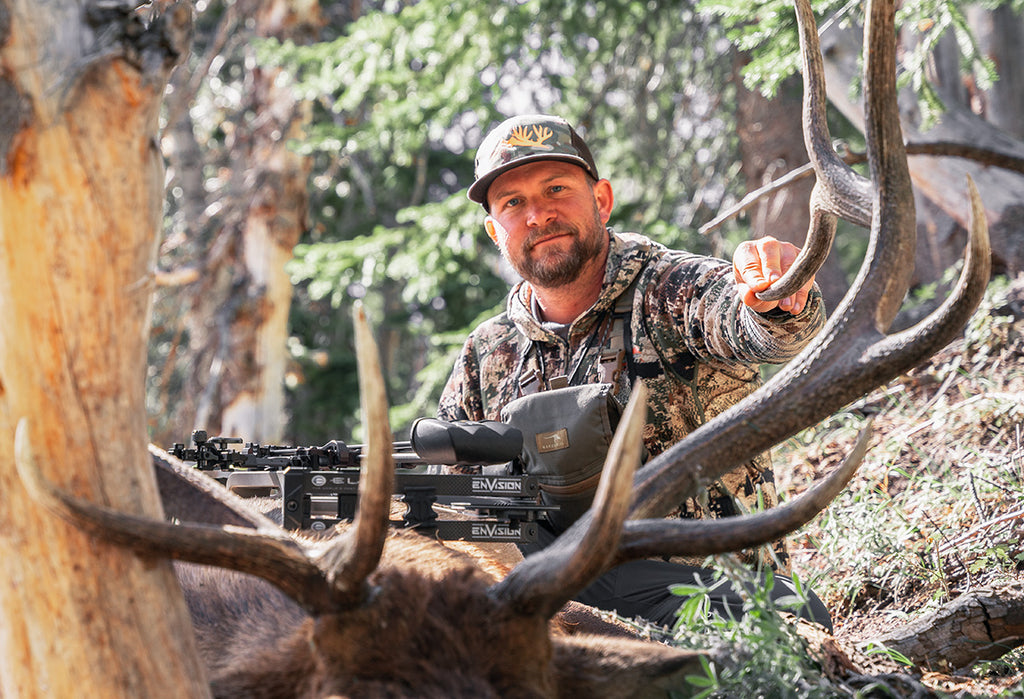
[(765, 655), (767, 29), (892, 654)]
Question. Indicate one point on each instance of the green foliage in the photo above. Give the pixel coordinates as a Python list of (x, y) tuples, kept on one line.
[(401, 99), (422, 278), (767, 29), (1009, 664), (933, 19), (767, 658), (897, 539), (708, 682), (891, 653)]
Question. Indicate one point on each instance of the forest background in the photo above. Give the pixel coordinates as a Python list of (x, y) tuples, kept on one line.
[(318, 153)]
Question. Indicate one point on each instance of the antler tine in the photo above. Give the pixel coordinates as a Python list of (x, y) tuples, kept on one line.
[(353, 556), (545, 581), (326, 576), (661, 537), (851, 355), (266, 551), (894, 215), (839, 191), (930, 333), (650, 537)]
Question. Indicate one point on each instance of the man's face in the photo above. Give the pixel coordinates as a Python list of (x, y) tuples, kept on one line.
[(548, 218)]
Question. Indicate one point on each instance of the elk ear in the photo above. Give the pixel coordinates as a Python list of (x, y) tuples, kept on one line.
[(604, 666), (191, 496)]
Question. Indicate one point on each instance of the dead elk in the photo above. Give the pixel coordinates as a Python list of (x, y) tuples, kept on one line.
[(367, 613)]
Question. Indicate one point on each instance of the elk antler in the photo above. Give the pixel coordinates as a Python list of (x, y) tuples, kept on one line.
[(661, 537), (243, 549), (839, 191), (322, 576), (188, 494), (353, 557), (850, 356)]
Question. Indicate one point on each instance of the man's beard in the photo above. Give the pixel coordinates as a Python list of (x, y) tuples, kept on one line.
[(556, 268)]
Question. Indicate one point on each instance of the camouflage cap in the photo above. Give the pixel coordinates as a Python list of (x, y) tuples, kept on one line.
[(525, 139)]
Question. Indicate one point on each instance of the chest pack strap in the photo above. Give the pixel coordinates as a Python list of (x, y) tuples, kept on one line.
[(611, 361), (618, 355)]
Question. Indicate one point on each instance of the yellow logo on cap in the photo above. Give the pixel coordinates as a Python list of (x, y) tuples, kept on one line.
[(534, 136)]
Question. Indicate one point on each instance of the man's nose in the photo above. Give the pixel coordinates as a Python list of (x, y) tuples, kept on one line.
[(540, 214)]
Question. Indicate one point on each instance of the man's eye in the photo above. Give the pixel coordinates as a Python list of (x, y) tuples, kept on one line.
[(557, 187), (509, 203)]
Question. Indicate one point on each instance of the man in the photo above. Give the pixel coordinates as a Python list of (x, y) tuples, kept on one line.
[(690, 326)]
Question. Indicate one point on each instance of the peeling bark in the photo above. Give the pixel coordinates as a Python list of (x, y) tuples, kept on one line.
[(80, 202), (15, 112), (237, 317), (980, 625)]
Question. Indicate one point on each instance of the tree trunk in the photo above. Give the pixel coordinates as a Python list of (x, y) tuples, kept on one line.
[(236, 323), (81, 184), (1001, 38), (943, 180), (274, 176)]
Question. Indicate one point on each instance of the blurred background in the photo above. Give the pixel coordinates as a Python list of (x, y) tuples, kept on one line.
[(318, 154)]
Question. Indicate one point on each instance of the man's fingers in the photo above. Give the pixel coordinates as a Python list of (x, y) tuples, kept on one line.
[(757, 264), (749, 297), (749, 265), (771, 259), (795, 303)]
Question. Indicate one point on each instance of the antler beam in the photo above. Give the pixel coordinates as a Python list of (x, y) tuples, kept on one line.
[(851, 355), (839, 191)]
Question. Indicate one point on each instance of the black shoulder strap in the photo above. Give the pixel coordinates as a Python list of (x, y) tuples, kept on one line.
[(530, 382), (612, 360), (619, 353)]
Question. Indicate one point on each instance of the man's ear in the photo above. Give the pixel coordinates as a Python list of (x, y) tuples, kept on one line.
[(493, 229), (604, 198)]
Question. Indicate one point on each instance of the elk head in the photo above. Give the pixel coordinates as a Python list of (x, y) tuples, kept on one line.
[(400, 615), (419, 620)]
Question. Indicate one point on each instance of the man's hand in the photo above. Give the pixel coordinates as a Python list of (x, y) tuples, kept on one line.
[(758, 264)]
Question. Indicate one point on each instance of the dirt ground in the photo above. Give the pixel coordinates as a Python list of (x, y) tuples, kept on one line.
[(953, 427), (960, 413)]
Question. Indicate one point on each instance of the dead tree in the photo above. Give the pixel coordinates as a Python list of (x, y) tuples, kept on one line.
[(940, 181), (234, 284), (367, 614), (81, 182)]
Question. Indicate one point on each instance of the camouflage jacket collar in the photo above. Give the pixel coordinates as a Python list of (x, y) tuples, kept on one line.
[(628, 253)]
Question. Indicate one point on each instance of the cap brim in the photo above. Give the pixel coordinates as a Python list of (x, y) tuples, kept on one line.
[(478, 190)]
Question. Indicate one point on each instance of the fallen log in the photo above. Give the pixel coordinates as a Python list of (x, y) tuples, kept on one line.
[(983, 624)]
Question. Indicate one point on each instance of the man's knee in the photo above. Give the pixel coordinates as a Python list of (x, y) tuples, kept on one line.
[(644, 589)]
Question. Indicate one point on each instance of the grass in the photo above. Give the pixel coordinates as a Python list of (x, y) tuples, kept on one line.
[(936, 509)]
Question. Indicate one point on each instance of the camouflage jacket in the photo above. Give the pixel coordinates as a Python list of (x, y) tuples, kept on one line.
[(693, 342)]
